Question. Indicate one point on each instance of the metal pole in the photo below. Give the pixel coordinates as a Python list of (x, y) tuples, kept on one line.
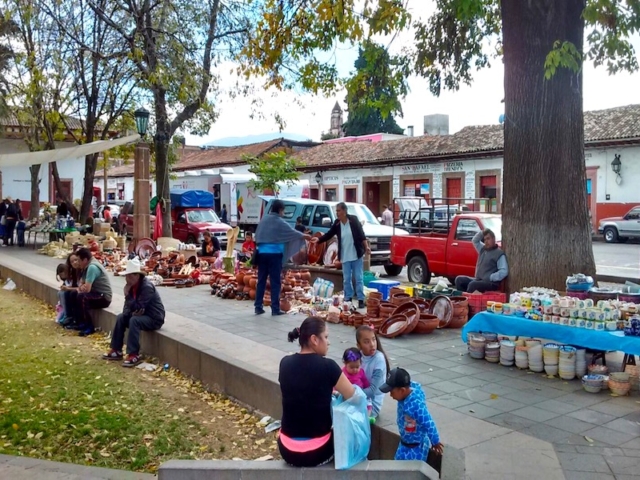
[(141, 213)]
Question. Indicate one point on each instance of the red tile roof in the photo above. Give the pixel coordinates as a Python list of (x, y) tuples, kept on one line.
[(225, 156)]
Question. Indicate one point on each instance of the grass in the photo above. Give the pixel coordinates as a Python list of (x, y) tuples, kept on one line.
[(60, 401)]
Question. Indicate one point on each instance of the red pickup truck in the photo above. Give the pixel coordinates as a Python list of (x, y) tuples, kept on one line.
[(445, 249)]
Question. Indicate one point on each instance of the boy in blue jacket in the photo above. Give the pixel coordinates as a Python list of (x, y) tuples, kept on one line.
[(418, 432)]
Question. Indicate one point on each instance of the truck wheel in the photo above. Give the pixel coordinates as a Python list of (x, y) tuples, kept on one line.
[(611, 235), (418, 270), (393, 270), (191, 239)]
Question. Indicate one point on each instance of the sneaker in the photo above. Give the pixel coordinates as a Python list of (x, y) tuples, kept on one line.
[(112, 355), (277, 314), (132, 360), (87, 331), (360, 304), (259, 311)]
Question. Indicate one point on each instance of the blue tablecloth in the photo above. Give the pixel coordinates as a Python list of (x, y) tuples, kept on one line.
[(578, 337)]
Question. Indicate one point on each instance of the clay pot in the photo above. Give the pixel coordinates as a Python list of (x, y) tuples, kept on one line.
[(240, 277), (400, 298), (426, 324), (246, 290), (252, 293), (285, 305), (247, 279), (286, 287), (395, 290), (305, 275), (253, 281), (266, 302)]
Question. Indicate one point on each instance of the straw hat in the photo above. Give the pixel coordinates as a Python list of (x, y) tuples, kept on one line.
[(133, 266)]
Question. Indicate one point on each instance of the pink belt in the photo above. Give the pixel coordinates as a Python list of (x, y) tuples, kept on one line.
[(303, 446)]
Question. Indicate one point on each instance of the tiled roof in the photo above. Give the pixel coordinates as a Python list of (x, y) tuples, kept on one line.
[(602, 125), (224, 156), (11, 120)]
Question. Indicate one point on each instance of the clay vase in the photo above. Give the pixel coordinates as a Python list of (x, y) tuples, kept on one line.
[(253, 282), (247, 280), (305, 275), (285, 305), (240, 277), (252, 293)]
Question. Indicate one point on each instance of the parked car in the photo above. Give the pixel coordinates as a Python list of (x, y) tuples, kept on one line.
[(124, 222), (115, 211), (318, 216), (446, 253), (620, 229)]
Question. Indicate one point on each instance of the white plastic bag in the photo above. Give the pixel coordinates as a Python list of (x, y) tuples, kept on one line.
[(10, 285), (351, 430)]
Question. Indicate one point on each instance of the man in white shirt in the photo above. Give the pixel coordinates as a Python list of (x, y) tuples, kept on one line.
[(387, 216)]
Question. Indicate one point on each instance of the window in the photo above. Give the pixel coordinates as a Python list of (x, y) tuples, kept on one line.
[(289, 211), (331, 194), (197, 216), (634, 214), (322, 212), (467, 229), (306, 214)]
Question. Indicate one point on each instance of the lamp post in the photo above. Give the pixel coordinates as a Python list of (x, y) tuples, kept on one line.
[(141, 213), (319, 182)]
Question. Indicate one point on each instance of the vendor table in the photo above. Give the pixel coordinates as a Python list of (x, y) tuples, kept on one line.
[(578, 337)]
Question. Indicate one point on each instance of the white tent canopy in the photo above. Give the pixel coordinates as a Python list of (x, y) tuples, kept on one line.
[(67, 153)]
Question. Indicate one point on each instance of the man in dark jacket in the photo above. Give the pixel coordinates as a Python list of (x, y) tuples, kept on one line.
[(491, 268), (11, 218), (143, 310), (352, 245)]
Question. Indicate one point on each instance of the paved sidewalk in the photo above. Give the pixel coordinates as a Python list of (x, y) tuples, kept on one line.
[(23, 468), (511, 424)]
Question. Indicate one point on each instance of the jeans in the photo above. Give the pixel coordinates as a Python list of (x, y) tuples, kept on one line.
[(135, 324), (269, 265), (470, 285), (350, 270)]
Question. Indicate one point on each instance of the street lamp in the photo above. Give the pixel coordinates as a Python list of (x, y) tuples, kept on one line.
[(141, 184), (142, 121), (319, 182), (616, 166)]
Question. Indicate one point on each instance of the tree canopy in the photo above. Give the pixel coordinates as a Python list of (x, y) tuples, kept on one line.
[(374, 91)]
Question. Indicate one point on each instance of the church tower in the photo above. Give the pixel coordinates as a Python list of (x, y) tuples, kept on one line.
[(336, 121)]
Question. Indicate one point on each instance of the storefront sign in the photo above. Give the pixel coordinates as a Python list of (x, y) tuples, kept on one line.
[(470, 185), (453, 167), (351, 181), (329, 179), (396, 187), (421, 168)]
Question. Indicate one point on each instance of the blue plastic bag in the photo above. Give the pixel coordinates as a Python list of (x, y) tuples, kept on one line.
[(351, 430)]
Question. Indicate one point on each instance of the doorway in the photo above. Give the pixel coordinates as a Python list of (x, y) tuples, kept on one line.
[(454, 188), (488, 189), (314, 193), (351, 194), (592, 195)]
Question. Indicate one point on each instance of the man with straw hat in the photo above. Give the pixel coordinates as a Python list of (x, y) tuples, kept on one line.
[(143, 310)]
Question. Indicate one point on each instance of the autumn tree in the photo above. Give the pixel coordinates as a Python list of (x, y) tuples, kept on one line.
[(104, 80), (7, 31), (545, 214), (374, 92)]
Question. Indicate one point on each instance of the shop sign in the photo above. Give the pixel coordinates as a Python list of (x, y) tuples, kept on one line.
[(351, 181), (421, 168), (329, 179), (453, 167)]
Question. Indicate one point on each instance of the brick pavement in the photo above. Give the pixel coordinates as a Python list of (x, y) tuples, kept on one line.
[(510, 423)]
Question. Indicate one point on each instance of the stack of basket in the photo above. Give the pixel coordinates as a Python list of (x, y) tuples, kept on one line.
[(476, 346), (550, 353), (460, 312), (619, 383), (567, 364), (507, 352)]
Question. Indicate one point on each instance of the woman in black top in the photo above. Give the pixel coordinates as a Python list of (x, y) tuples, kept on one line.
[(210, 245), (307, 380)]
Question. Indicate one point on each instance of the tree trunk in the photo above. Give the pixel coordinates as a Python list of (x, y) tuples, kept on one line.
[(90, 165), (546, 231), (34, 211), (161, 139), (58, 185)]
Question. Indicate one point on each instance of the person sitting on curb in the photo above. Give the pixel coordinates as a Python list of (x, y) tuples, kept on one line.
[(491, 268), (94, 291), (143, 310)]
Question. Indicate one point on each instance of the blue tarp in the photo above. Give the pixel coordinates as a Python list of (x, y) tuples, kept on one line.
[(191, 198), (578, 337)]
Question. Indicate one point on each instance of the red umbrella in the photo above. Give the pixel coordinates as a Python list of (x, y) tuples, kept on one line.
[(157, 229)]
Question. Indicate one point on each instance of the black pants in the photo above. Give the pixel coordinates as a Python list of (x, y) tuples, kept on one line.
[(9, 227), (81, 305), (135, 324), (470, 285), (313, 458), (269, 265)]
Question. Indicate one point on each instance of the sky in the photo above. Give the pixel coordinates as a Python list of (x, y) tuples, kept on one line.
[(477, 104)]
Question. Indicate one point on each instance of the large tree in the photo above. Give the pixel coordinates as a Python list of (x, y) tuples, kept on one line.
[(7, 31), (177, 47), (39, 84), (105, 80), (374, 91), (546, 225)]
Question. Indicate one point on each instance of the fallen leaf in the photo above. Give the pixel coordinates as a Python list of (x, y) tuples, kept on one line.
[(39, 435), (493, 396), (590, 440), (105, 454)]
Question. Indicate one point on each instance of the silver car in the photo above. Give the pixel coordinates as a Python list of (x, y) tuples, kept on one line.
[(620, 229)]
